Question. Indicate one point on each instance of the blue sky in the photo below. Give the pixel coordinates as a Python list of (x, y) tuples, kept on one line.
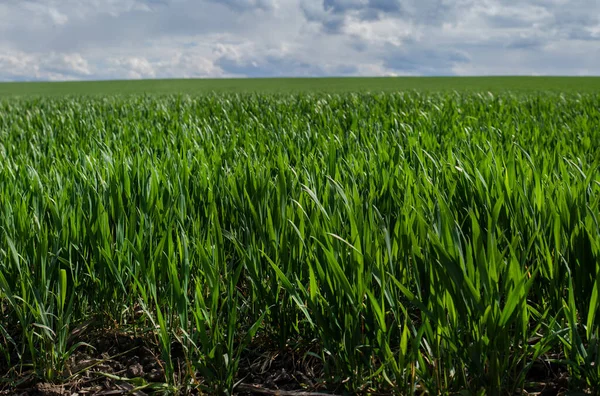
[(131, 39)]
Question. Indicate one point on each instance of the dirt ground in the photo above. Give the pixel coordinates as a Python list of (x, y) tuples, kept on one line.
[(122, 363)]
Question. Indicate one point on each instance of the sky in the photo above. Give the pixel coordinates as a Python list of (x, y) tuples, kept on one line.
[(43, 40)]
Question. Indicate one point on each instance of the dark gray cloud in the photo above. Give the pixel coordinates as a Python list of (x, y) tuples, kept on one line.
[(385, 5), (246, 5), (526, 43), (276, 66), (268, 66), (424, 61), (338, 6), (333, 13), (507, 22)]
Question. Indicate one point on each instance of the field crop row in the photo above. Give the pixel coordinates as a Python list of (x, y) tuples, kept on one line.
[(399, 243)]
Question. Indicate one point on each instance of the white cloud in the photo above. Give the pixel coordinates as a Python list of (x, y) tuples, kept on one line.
[(106, 39), (383, 31), (135, 67), (57, 17), (46, 66)]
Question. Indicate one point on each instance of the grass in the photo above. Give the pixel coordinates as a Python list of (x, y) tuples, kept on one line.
[(392, 242), (305, 85)]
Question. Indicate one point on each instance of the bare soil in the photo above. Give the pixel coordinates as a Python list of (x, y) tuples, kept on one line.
[(119, 361)]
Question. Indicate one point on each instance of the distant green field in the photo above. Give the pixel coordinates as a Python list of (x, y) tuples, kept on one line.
[(294, 85)]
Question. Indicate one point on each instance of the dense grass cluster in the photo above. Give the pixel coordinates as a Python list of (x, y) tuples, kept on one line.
[(400, 242)]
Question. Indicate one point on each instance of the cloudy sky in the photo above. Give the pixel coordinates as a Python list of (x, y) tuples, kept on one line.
[(130, 39)]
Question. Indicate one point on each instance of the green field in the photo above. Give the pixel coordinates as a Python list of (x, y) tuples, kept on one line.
[(306, 85), (354, 243)]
